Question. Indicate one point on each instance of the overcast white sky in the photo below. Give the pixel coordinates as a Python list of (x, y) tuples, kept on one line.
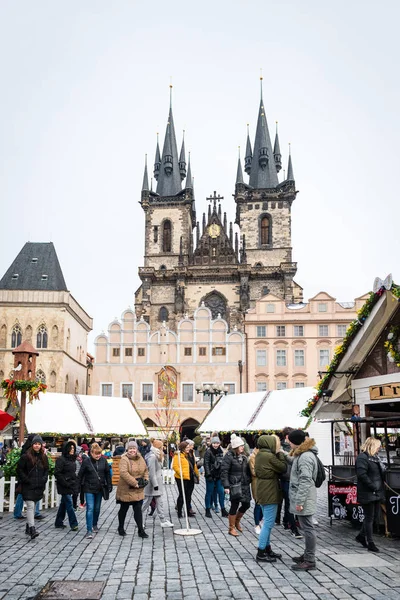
[(85, 89)]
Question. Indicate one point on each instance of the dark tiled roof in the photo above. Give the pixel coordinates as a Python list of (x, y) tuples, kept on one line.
[(37, 268)]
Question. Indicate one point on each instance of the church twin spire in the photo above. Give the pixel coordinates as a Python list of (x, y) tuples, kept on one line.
[(263, 163), (169, 169)]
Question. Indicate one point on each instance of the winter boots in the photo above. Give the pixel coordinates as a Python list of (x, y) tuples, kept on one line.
[(238, 518), (232, 528), (224, 512), (33, 533), (142, 533), (208, 513), (263, 556)]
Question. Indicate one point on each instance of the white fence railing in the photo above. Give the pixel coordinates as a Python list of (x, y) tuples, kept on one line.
[(8, 495)]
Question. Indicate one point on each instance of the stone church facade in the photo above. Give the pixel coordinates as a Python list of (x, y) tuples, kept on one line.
[(187, 262)]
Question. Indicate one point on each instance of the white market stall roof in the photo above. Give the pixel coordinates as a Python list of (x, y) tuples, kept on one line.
[(259, 411), (78, 414)]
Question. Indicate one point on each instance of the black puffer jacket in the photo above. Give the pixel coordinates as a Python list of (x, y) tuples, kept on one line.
[(65, 471), (213, 463), (370, 481), (32, 474), (94, 474), (235, 469)]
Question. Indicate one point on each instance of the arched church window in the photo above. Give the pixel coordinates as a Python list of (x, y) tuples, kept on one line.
[(16, 336), (3, 336), (41, 337), (217, 304), (163, 268), (163, 314), (40, 376), (166, 240), (265, 231)]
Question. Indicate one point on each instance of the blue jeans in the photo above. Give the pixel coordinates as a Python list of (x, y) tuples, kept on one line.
[(19, 505), (93, 503), (258, 514), (213, 489), (66, 506), (269, 514)]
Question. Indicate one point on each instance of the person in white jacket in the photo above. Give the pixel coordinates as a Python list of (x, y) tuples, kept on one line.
[(155, 487)]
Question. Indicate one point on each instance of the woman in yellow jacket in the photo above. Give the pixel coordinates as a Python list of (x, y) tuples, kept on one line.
[(190, 474)]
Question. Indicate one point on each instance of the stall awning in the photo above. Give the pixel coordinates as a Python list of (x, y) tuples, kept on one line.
[(259, 411), (67, 414)]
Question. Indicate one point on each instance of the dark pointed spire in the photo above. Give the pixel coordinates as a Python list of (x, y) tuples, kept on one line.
[(237, 245), (157, 161), (263, 171), (277, 151), (239, 174), (182, 159), (145, 186), (204, 222), (209, 213), (249, 154), (197, 234), (225, 223), (189, 181), (219, 211), (151, 184), (231, 233), (169, 179), (290, 175)]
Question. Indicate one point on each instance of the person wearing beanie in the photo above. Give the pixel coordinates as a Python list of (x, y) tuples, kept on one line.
[(190, 474), (246, 446), (33, 472), (133, 474), (155, 489), (236, 479), (67, 485), (212, 467), (303, 493), (269, 464), (19, 501)]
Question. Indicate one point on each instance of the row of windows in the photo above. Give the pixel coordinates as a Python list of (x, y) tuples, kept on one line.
[(298, 355), (216, 351), (298, 330), (16, 336), (147, 391), (262, 386)]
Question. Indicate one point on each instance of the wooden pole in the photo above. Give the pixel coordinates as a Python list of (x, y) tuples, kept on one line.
[(22, 419)]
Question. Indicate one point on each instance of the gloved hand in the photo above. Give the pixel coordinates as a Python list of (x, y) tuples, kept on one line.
[(156, 488)]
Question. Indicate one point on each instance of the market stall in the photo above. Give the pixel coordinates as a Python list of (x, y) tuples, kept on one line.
[(257, 412), (73, 415)]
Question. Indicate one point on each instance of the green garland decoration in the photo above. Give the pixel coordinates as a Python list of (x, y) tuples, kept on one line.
[(392, 343), (351, 332)]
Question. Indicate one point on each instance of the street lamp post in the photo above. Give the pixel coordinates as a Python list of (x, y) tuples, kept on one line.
[(212, 390)]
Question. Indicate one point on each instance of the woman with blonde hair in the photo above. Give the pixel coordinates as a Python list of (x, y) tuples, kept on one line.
[(370, 489), (95, 479)]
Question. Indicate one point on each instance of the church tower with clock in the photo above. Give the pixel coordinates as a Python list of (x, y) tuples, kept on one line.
[(188, 262)]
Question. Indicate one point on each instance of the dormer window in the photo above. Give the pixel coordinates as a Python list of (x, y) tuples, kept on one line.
[(45, 277), (34, 261), (15, 276)]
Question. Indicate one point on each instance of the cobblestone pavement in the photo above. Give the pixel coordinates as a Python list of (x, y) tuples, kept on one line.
[(210, 566)]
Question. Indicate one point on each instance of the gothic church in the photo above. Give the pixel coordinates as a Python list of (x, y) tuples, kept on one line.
[(187, 263)]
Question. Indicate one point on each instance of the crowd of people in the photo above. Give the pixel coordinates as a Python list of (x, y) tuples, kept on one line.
[(281, 475)]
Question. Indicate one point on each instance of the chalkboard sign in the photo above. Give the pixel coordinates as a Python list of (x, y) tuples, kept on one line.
[(342, 502), (393, 511)]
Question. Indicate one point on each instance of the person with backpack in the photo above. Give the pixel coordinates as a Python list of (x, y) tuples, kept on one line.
[(305, 475), (212, 468)]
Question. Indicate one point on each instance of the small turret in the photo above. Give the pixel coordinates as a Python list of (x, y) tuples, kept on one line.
[(239, 173), (157, 161), (182, 160), (290, 174), (277, 151), (145, 186), (249, 154), (189, 181)]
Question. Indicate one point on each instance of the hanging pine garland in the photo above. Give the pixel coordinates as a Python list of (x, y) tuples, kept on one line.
[(11, 388)]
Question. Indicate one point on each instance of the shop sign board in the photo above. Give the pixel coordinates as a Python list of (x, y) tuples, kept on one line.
[(342, 501), (386, 391), (393, 511)]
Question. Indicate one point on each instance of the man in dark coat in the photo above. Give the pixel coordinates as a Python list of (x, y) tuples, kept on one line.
[(67, 485)]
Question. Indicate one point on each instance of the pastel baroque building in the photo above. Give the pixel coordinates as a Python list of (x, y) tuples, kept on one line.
[(36, 306), (289, 344), (131, 358)]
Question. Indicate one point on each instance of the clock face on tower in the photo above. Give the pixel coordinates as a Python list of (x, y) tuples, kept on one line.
[(214, 230)]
